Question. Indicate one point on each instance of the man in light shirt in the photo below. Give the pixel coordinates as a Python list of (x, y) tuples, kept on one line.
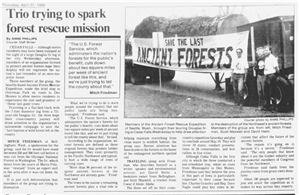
[(271, 67), (239, 76), (259, 69)]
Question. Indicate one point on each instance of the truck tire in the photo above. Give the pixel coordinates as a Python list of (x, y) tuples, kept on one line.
[(137, 76), (282, 94), (168, 75)]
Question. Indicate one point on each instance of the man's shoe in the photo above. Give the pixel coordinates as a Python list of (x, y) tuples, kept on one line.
[(241, 106), (260, 108), (273, 109)]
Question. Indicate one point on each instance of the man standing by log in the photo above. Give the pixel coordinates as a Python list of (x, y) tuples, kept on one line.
[(239, 76), (271, 68), (259, 69)]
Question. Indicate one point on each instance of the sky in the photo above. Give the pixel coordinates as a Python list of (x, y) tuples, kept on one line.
[(134, 16)]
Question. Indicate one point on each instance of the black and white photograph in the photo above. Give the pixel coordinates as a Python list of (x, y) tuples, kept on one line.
[(209, 61), (148, 98)]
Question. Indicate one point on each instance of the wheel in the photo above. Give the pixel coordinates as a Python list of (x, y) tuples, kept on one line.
[(168, 75), (282, 94)]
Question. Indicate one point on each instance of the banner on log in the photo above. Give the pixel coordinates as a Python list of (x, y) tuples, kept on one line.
[(199, 54)]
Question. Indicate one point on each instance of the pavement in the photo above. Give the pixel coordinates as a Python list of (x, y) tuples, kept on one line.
[(200, 85)]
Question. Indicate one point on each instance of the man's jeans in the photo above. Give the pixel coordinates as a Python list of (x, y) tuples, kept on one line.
[(261, 89), (238, 86), (270, 82)]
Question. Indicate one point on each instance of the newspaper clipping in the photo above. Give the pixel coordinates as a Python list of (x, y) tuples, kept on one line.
[(149, 98)]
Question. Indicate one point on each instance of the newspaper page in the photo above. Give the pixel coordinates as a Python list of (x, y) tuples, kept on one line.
[(149, 98)]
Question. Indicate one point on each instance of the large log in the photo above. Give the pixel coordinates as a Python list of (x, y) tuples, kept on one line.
[(189, 27)]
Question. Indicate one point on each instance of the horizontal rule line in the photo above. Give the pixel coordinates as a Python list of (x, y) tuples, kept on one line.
[(130, 191), (90, 36)]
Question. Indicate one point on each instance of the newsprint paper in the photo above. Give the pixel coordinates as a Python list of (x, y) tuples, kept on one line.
[(149, 98)]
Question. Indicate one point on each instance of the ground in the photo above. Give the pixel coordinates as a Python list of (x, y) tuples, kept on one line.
[(145, 102)]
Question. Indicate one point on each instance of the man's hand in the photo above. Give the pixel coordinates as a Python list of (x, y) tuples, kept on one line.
[(277, 71)]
